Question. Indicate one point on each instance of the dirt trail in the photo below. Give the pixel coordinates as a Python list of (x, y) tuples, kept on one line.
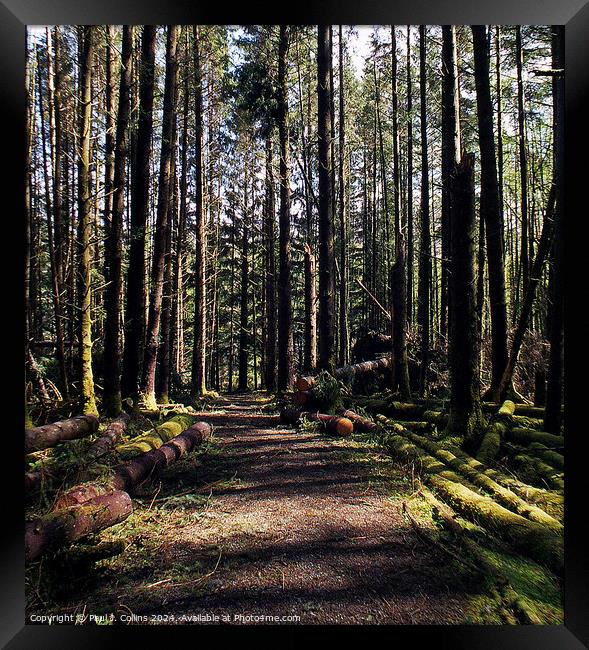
[(306, 526)]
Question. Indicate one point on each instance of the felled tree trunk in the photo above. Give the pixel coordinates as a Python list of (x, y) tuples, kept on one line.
[(50, 435), (360, 424), (502, 494), (529, 537), (157, 437), (494, 434), (524, 436), (332, 424), (397, 410), (347, 372), (112, 434), (72, 523), (129, 475)]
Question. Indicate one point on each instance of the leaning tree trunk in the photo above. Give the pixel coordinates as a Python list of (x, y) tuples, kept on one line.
[(526, 308), (466, 416)]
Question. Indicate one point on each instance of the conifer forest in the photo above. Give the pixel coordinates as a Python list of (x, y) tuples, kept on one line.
[(294, 324)]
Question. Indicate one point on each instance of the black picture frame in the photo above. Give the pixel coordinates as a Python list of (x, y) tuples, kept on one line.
[(15, 15)]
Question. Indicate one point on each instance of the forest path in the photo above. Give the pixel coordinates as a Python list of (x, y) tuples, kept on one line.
[(300, 524)]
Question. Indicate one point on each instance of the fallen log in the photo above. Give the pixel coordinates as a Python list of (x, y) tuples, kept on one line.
[(392, 408), (129, 475), (397, 427), (527, 436), (157, 437), (536, 468), (70, 524), (502, 494), (360, 423), (491, 442), (538, 496), (332, 424), (529, 537), (547, 455), (305, 383), (509, 597), (50, 435), (112, 434)]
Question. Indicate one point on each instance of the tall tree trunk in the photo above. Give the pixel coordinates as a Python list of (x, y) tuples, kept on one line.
[(326, 220), (161, 226), (554, 388), (113, 245), (200, 296), (270, 263), (310, 360), (285, 331), (409, 183), (343, 287), (423, 299), (466, 416), (242, 380), (523, 162), (135, 308), (85, 223), (450, 155), (399, 273), (490, 211), (54, 206), (163, 361)]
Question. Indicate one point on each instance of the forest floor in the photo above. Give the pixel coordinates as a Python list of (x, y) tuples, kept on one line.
[(268, 521)]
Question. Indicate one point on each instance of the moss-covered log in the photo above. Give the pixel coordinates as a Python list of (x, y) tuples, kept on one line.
[(438, 418), (397, 427), (150, 464), (547, 455), (509, 597), (549, 501), (527, 436), (494, 434), (536, 469), (384, 406), (111, 436), (70, 524), (502, 494), (130, 474), (346, 373), (332, 424), (50, 435), (537, 541), (157, 437)]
